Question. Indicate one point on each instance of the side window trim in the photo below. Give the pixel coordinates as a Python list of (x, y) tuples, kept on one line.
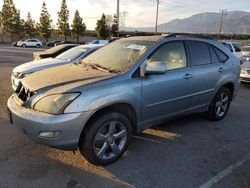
[(213, 48)]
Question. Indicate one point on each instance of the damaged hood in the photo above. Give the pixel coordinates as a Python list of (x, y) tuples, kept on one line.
[(34, 66), (64, 78)]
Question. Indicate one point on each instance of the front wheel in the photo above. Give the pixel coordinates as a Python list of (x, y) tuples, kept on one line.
[(106, 139), (220, 104), (24, 45)]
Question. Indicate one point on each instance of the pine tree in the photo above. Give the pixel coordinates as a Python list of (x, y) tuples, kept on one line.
[(44, 26), (10, 19), (78, 27), (114, 27), (30, 26), (102, 29), (63, 20)]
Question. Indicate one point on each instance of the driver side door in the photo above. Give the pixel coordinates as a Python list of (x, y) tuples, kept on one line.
[(166, 94)]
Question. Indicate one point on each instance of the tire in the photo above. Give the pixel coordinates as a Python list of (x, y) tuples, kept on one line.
[(38, 45), (24, 45), (106, 139), (220, 104)]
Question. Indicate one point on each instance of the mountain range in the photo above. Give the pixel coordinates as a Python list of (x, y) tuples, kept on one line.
[(208, 22)]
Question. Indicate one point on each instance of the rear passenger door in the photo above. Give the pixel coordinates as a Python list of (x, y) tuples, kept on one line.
[(207, 68)]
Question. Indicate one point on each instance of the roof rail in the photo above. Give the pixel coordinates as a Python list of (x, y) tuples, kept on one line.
[(202, 36)]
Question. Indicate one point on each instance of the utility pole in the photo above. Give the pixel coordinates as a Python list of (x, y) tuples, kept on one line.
[(157, 14), (223, 12), (118, 15)]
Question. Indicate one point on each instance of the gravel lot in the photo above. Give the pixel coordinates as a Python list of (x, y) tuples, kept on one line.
[(187, 152)]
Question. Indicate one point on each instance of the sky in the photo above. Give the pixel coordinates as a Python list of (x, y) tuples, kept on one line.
[(139, 13)]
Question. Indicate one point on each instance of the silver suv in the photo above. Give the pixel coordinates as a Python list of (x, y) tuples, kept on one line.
[(124, 88)]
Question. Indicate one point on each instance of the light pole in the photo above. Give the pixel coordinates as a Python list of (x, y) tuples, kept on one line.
[(118, 14), (157, 15), (223, 12)]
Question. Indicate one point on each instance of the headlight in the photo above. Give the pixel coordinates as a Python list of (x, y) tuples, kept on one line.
[(55, 104)]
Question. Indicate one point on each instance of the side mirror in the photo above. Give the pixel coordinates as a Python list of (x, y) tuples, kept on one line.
[(155, 67)]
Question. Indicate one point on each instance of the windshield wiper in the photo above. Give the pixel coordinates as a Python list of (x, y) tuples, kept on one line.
[(98, 67)]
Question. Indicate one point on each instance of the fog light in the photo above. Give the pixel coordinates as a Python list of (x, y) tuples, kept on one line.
[(50, 134)]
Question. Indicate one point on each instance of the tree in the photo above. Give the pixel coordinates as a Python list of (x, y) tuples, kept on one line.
[(30, 26), (10, 19), (78, 27), (44, 26), (63, 20), (102, 29), (114, 27)]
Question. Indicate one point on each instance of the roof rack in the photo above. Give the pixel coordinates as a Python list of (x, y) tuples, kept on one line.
[(202, 36)]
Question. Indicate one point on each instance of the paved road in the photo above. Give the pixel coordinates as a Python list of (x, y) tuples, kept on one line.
[(187, 152)]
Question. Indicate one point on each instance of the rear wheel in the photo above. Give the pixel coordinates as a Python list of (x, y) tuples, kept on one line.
[(38, 45), (106, 139), (220, 104)]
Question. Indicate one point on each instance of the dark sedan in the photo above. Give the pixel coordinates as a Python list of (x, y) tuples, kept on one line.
[(53, 52)]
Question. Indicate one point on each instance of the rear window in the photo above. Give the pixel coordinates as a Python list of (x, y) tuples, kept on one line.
[(200, 54)]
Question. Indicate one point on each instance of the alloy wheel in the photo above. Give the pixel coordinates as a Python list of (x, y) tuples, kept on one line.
[(110, 140)]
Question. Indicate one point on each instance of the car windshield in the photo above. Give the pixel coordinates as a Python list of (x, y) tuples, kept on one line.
[(72, 54), (118, 56)]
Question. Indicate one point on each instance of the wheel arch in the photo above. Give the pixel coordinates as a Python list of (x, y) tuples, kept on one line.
[(124, 108)]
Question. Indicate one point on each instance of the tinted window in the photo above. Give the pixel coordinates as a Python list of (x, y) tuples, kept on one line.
[(221, 55), (173, 54), (214, 57), (199, 53), (237, 47)]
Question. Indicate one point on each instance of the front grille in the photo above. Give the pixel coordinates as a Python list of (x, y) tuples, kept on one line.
[(23, 93)]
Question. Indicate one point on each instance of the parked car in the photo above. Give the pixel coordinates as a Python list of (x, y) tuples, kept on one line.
[(126, 86), (53, 43), (30, 43), (64, 42), (245, 72), (98, 42), (14, 44), (72, 55), (52, 52), (235, 48), (246, 53)]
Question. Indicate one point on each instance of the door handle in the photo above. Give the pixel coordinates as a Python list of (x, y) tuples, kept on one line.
[(221, 69), (188, 76)]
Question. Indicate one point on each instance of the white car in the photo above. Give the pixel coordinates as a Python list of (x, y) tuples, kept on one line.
[(235, 48), (30, 43), (246, 53), (245, 72), (72, 55)]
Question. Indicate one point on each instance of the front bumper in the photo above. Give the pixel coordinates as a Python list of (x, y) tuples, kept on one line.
[(32, 123)]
